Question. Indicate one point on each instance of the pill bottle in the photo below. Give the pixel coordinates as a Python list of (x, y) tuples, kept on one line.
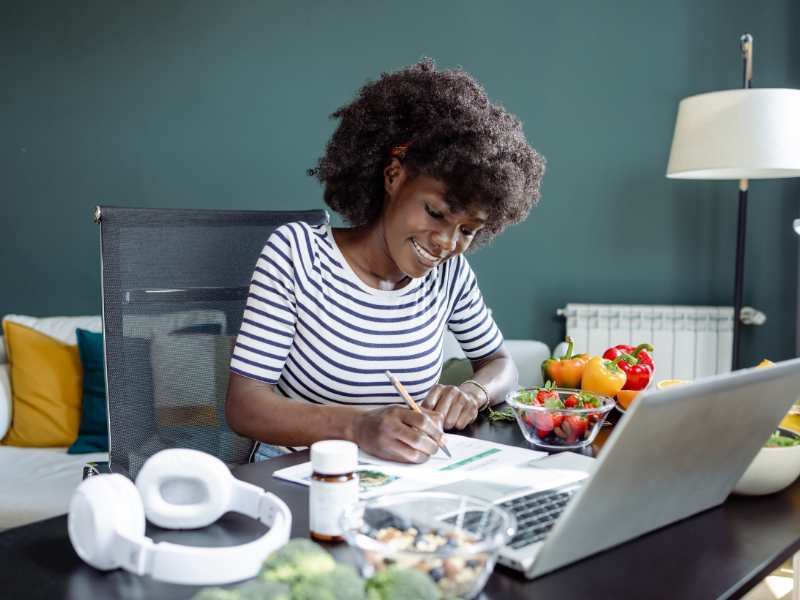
[(334, 487)]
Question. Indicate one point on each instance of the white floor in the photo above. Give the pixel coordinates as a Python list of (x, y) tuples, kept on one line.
[(777, 586)]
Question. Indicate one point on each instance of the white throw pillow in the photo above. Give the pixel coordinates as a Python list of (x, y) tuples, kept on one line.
[(6, 404), (60, 328)]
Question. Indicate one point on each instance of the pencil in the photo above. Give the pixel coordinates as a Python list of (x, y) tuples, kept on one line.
[(411, 404)]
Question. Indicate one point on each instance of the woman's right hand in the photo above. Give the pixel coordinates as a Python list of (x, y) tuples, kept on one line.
[(398, 433)]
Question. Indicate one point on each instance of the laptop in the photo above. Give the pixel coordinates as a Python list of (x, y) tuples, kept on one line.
[(676, 452)]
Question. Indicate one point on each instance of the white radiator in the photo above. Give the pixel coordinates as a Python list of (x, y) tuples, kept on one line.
[(689, 341)]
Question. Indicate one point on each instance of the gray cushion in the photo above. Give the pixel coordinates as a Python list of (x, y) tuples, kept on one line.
[(190, 382)]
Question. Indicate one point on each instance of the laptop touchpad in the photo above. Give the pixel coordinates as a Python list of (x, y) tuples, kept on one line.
[(485, 490)]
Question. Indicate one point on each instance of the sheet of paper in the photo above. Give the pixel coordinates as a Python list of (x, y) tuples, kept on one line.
[(529, 476), (373, 481), (468, 454), (471, 458)]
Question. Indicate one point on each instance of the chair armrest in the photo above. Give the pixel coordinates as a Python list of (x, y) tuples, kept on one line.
[(561, 350), (6, 406), (528, 356)]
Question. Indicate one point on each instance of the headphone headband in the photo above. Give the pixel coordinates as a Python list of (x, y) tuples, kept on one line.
[(212, 566), (179, 489)]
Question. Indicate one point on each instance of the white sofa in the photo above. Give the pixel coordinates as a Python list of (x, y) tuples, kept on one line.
[(37, 483)]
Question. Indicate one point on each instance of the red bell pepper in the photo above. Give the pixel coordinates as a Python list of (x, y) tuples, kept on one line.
[(637, 364)]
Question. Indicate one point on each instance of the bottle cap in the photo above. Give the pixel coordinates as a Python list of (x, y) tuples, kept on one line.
[(334, 457)]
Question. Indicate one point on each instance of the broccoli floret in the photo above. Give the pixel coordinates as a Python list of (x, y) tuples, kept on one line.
[(252, 590), (343, 583), (263, 590), (401, 584), (298, 559), (216, 594)]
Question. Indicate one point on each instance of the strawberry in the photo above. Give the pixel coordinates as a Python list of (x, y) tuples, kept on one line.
[(572, 401), (587, 400), (547, 423), (575, 427), (547, 393), (543, 422)]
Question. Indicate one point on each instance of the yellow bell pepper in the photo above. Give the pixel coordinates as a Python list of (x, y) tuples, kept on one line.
[(603, 376)]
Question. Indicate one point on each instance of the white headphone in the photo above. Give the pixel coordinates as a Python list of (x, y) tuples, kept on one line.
[(180, 489)]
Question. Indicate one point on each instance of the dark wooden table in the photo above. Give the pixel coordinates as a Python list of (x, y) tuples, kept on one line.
[(720, 553)]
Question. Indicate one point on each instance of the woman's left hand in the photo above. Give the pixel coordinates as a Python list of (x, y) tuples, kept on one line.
[(457, 407)]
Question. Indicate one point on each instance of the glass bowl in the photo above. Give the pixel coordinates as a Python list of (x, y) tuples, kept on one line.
[(553, 425), (452, 538)]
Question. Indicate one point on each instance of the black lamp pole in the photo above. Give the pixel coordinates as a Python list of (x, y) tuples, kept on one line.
[(746, 46)]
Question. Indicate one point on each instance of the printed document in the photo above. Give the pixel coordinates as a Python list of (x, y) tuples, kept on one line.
[(471, 459)]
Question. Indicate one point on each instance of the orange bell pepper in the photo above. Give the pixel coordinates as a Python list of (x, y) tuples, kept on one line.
[(567, 371)]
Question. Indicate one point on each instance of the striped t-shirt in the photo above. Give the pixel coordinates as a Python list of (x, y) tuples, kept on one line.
[(320, 334)]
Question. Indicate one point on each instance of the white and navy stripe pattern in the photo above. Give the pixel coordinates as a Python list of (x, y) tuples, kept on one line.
[(320, 334)]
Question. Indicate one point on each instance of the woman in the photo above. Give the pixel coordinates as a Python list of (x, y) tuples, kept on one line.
[(423, 167)]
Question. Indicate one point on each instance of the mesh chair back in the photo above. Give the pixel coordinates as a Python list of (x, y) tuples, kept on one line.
[(174, 289)]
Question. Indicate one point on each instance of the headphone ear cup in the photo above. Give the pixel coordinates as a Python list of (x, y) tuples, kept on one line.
[(102, 507), (184, 489)]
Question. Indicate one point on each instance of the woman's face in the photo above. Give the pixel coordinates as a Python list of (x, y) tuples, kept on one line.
[(420, 229)]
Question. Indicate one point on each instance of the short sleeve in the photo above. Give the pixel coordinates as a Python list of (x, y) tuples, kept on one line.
[(270, 314), (470, 321)]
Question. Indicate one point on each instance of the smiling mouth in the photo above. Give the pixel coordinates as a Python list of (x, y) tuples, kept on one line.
[(425, 256)]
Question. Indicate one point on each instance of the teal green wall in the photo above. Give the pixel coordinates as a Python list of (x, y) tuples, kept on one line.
[(225, 104)]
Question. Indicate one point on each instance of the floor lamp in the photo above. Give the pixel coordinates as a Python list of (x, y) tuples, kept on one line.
[(738, 134)]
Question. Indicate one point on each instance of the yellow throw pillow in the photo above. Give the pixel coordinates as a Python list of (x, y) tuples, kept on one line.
[(46, 379)]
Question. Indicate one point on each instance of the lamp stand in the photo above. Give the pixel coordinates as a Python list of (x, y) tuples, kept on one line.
[(746, 47)]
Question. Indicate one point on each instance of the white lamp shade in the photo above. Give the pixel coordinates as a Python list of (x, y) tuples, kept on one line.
[(737, 134)]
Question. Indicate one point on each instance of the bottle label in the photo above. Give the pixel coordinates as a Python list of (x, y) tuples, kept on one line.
[(327, 501)]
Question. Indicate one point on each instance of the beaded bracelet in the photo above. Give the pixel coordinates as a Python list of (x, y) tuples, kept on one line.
[(483, 389)]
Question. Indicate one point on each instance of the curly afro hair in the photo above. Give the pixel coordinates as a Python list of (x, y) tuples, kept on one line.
[(454, 134)]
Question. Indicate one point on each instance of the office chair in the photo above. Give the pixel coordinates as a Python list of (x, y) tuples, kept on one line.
[(174, 285)]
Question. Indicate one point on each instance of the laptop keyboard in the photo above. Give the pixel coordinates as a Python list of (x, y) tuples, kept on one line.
[(535, 515)]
